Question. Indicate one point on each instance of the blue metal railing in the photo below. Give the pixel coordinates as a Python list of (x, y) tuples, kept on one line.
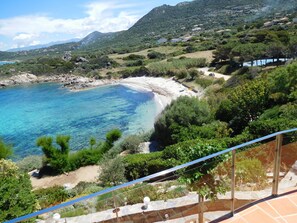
[(147, 178)]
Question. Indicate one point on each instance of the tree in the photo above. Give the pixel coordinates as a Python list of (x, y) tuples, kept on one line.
[(183, 112), (112, 136), (16, 197), (57, 158), (244, 104), (112, 171), (276, 51), (5, 150), (282, 83)]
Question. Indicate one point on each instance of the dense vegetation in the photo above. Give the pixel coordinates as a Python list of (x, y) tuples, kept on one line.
[(255, 101)]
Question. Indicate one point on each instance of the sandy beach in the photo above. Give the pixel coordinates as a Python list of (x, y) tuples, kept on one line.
[(164, 89)]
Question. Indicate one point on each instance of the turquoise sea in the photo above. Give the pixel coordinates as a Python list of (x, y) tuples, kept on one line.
[(28, 112), (5, 62)]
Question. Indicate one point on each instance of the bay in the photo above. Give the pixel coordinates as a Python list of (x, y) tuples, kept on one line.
[(28, 112)]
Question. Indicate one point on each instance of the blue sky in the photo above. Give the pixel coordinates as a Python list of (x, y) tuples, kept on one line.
[(32, 22)]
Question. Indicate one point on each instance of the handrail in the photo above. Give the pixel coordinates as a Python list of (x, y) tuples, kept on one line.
[(146, 178)]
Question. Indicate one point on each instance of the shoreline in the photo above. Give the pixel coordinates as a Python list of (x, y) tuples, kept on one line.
[(165, 90)]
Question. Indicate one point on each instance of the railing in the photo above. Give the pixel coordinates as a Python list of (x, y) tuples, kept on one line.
[(226, 172)]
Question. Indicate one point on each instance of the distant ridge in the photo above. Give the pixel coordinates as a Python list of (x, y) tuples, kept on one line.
[(39, 46)]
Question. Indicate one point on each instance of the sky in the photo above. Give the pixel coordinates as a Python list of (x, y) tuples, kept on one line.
[(31, 22)]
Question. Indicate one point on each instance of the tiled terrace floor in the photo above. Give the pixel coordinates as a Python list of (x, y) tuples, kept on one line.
[(282, 209)]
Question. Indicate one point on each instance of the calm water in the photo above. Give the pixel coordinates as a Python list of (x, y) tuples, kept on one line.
[(262, 62), (27, 113), (5, 62)]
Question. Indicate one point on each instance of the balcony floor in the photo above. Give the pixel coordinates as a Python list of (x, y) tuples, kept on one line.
[(282, 209)]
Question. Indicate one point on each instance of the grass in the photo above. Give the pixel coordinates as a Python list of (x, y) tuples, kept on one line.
[(173, 65), (161, 49), (73, 213), (208, 55)]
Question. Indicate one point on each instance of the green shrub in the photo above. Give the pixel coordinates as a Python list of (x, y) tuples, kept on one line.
[(250, 171), (112, 172), (204, 81), (5, 150), (51, 196), (84, 157), (131, 143), (182, 74), (213, 130), (134, 57), (140, 165), (156, 55), (16, 197), (135, 72), (134, 63), (73, 213), (191, 150), (181, 113), (261, 128)]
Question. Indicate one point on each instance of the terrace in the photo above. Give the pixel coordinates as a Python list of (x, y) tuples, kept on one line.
[(252, 182)]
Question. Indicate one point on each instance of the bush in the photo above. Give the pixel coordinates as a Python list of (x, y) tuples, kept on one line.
[(51, 196), (204, 81), (84, 157), (191, 150), (84, 188), (156, 55), (5, 150), (30, 163), (181, 113), (213, 130), (134, 63), (250, 171), (140, 165), (112, 172), (134, 57), (135, 72), (16, 197), (182, 74), (131, 143)]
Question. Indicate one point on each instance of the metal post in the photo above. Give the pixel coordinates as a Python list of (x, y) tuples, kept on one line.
[(276, 166), (115, 206), (233, 182), (201, 208)]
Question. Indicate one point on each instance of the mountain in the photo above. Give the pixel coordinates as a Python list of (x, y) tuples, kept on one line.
[(186, 17), (39, 46), (173, 21), (96, 37)]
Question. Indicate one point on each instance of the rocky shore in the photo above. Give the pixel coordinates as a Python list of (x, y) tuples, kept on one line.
[(72, 82)]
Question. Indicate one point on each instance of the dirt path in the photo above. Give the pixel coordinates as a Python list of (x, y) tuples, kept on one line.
[(87, 174), (217, 75)]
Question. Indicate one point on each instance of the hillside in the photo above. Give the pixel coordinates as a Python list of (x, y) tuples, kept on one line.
[(169, 22)]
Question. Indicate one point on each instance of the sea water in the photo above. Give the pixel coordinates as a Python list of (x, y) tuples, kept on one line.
[(5, 62), (28, 112)]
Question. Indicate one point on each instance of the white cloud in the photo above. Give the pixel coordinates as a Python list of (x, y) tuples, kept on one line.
[(23, 36), (107, 16)]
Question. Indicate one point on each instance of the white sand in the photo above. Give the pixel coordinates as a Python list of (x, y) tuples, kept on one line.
[(164, 89)]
